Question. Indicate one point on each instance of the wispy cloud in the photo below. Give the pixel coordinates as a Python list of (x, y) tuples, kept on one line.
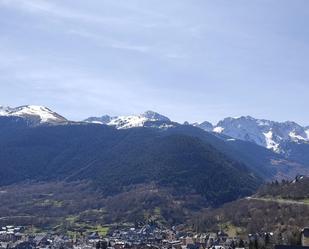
[(55, 10), (110, 42), (118, 29), (121, 45)]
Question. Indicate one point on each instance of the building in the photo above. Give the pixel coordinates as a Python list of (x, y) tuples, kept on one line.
[(305, 237)]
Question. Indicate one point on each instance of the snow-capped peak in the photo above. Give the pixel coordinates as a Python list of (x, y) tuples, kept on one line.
[(126, 122), (154, 116), (39, 113), (266, 133)]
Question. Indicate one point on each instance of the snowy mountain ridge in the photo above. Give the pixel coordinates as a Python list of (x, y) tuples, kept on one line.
[(146, 119), (266, 133), (40, 114)]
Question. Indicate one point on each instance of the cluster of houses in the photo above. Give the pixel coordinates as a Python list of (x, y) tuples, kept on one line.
[(153, 237), (10, 233), (148, 236), (16, 237), (269, 241)]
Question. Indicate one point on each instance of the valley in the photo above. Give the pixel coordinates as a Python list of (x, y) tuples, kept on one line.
[(90, 177)]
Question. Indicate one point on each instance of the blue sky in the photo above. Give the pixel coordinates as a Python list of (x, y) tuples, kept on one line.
[(191, 60)]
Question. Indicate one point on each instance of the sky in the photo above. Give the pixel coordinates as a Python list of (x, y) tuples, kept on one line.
[(191, 60)]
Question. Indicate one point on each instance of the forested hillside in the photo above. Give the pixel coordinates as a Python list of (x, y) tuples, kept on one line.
[(297, 189), (114, 160)]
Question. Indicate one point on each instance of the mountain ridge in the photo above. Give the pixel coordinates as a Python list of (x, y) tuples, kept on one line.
[(284, 138), (39, 114)]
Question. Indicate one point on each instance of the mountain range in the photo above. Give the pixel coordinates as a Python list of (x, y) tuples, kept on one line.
[(219, 162), (266, 133), (276, 136), (280, 137)]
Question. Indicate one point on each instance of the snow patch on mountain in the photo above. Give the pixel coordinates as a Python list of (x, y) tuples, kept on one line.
[(296, 137), (230, 140), (270, 143), (96, 122), (99, 120), (218, 129), (4, 110), (126, 122)]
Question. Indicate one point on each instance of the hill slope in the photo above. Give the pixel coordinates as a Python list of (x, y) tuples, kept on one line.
[(279, 208), (116, 159)]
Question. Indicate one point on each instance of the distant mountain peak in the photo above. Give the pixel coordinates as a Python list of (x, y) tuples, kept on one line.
[(270, 134), (207, 126), (148, 118), (151, 115), (105, 119), (39, 113)]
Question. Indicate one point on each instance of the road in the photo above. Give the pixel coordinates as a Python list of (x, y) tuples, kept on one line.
[(282, 201)]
